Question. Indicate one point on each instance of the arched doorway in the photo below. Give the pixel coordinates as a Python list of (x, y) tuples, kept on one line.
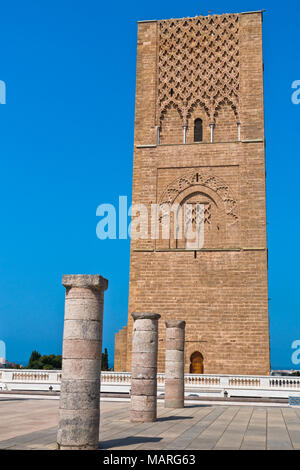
[(196, 364)]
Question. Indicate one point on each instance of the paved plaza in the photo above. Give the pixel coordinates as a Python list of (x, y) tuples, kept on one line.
[(32, 424)]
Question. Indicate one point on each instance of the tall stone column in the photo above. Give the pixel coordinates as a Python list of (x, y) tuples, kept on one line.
[(144, 367), (174, 369), (79, 410)]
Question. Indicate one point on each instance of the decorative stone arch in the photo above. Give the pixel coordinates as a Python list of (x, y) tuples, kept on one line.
[(207, 180), (198, 110), (226, 121), (226, 101), (208, 186), (170, 105), (205, 196), (197, 103), (170, 125)]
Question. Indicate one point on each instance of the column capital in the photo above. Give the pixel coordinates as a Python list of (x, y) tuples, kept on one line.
[(85, 281), (145, 316), (175, 324)]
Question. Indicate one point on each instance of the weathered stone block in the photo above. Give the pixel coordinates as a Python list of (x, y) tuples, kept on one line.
[(79, 394), (81, 368), (143, 372), (82, 329), (78, 429), (146, 387), (143, 416), (78, 348)]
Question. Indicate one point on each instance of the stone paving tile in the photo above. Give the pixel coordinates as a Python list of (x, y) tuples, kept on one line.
[(277, 435), (46, 436), (256, 433), (292, 422), (233, 437), (208, 438), (189, 417), (32, 424), (164, 423), (185, 439), (297, 411), (21, 417), (113, 428)]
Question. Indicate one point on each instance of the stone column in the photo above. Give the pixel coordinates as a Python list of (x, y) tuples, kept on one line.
[(174, 369), (144, 367), (79, 409)]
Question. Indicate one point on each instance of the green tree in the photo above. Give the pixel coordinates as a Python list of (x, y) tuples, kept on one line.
[(52, 360), (47, 367), (46, 362), (34, 360), (104, 365)]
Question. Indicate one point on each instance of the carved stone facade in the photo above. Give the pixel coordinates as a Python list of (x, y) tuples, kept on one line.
[(198, 63), (206, 186), (208, 68)]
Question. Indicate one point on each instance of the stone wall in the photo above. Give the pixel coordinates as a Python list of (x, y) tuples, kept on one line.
[(120, 362)]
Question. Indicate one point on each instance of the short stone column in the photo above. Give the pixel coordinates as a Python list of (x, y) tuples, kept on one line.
[(79, 410), (144, 367), (174, 368)]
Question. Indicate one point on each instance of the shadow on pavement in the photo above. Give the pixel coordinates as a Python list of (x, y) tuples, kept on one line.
[(127, 441), (174, 418)]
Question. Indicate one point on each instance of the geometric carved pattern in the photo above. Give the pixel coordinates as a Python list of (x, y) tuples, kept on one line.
[(192, 213), (198, 64), (206, 212), (194, 178)]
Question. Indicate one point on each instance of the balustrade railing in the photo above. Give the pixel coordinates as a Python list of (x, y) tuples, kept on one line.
[(119, 382), (284, 383), (201, 380), (30, 376), (244, 382), (116, 377)]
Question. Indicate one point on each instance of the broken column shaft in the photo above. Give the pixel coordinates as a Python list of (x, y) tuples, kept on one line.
[(144, 367), (174, 368)]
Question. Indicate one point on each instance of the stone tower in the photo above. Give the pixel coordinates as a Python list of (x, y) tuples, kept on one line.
[(199, 138)]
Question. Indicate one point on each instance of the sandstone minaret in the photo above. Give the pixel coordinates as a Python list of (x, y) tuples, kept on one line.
[(199, 139)]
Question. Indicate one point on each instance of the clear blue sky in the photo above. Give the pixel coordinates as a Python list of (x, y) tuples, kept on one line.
[(69, 67)]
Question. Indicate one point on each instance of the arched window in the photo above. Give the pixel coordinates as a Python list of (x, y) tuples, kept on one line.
[(198, 130)]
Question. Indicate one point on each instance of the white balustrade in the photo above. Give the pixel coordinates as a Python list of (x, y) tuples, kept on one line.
[(195, 385), (30, 380), (115, 382)]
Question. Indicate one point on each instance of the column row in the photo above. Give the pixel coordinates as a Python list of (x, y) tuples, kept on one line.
[(79, 410)]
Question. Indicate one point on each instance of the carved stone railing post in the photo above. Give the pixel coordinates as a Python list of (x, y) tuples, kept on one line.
[(144, 367), (174, 369), (79, 409)]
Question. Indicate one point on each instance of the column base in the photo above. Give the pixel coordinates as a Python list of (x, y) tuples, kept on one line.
[(174, 403), (143, 416), (59, 447)]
